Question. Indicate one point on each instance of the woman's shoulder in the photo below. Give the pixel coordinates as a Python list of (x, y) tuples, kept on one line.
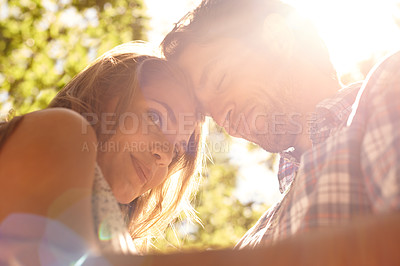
[(46, 169), (60, 121), (48, 129), (49, 149)]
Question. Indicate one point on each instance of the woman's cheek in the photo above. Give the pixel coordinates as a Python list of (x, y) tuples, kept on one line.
[(161, 175)]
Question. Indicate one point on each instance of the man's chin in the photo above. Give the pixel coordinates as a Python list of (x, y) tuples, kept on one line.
[(276, 143)]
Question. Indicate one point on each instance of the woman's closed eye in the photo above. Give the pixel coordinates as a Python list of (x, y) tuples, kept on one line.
[(220, 84), (155, 117)]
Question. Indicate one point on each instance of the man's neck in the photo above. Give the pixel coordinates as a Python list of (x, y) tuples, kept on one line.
[(320, 90)]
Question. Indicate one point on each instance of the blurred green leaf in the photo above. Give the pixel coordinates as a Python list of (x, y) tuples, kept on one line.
[(44, 44)]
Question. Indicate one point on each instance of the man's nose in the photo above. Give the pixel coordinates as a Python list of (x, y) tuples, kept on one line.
[(223, 116), (232, 122)]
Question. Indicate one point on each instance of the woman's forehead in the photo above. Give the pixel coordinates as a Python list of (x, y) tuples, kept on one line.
[(168, 91)]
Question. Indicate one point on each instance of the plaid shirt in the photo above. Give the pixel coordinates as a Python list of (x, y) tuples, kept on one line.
[(353, 167)]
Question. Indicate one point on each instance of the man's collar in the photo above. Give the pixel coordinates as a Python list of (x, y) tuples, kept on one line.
[(339, 106), (288, 166), (329, 114), (332, 113)]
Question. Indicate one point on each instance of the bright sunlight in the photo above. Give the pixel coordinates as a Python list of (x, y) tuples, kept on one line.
[(353, 30)]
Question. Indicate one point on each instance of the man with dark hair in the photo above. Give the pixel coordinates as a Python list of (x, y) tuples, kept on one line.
[(263, 73)]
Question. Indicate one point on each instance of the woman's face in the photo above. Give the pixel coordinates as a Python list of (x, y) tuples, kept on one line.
[(149, 136)]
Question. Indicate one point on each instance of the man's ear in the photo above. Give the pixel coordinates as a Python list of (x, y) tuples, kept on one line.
[(278, 36)]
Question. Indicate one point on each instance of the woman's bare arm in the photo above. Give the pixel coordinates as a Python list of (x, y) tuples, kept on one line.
[(47, 169)]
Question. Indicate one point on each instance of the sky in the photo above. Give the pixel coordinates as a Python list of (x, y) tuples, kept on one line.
[(164, 14), (353, 30)]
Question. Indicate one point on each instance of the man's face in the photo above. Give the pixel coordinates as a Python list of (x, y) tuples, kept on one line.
[(245, 91)]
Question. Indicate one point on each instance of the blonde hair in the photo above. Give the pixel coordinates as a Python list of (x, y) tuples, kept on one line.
[(118, 73), (244, 20)]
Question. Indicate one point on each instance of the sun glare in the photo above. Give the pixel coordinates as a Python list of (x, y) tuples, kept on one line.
[(353, 30)]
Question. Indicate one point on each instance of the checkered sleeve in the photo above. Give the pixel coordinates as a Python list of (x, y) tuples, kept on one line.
[(379, 106), (254, 235)]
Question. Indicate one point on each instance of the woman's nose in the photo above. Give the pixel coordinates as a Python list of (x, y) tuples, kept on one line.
[(172, 147), (163, 152)]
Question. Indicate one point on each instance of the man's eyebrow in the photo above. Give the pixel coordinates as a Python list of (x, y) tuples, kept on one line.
[(169, 111)]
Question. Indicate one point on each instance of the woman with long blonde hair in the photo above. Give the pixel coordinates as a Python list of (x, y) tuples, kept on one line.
[(106, 167)]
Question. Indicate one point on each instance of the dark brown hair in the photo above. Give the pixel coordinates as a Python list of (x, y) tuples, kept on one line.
[(243, 20)]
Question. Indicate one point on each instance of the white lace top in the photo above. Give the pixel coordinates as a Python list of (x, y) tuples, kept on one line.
[(108, 221), (26, 237)]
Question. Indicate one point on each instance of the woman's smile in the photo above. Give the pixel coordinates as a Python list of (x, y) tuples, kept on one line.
[(141, 170), (149, 127)]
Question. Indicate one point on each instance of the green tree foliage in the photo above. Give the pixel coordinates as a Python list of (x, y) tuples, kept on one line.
[(44, 43), (224, 217)]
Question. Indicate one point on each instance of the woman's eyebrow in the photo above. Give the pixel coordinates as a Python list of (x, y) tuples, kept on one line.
[(170, 112)]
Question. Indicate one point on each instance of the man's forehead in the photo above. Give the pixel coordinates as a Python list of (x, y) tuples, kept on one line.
[(197, 58)]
